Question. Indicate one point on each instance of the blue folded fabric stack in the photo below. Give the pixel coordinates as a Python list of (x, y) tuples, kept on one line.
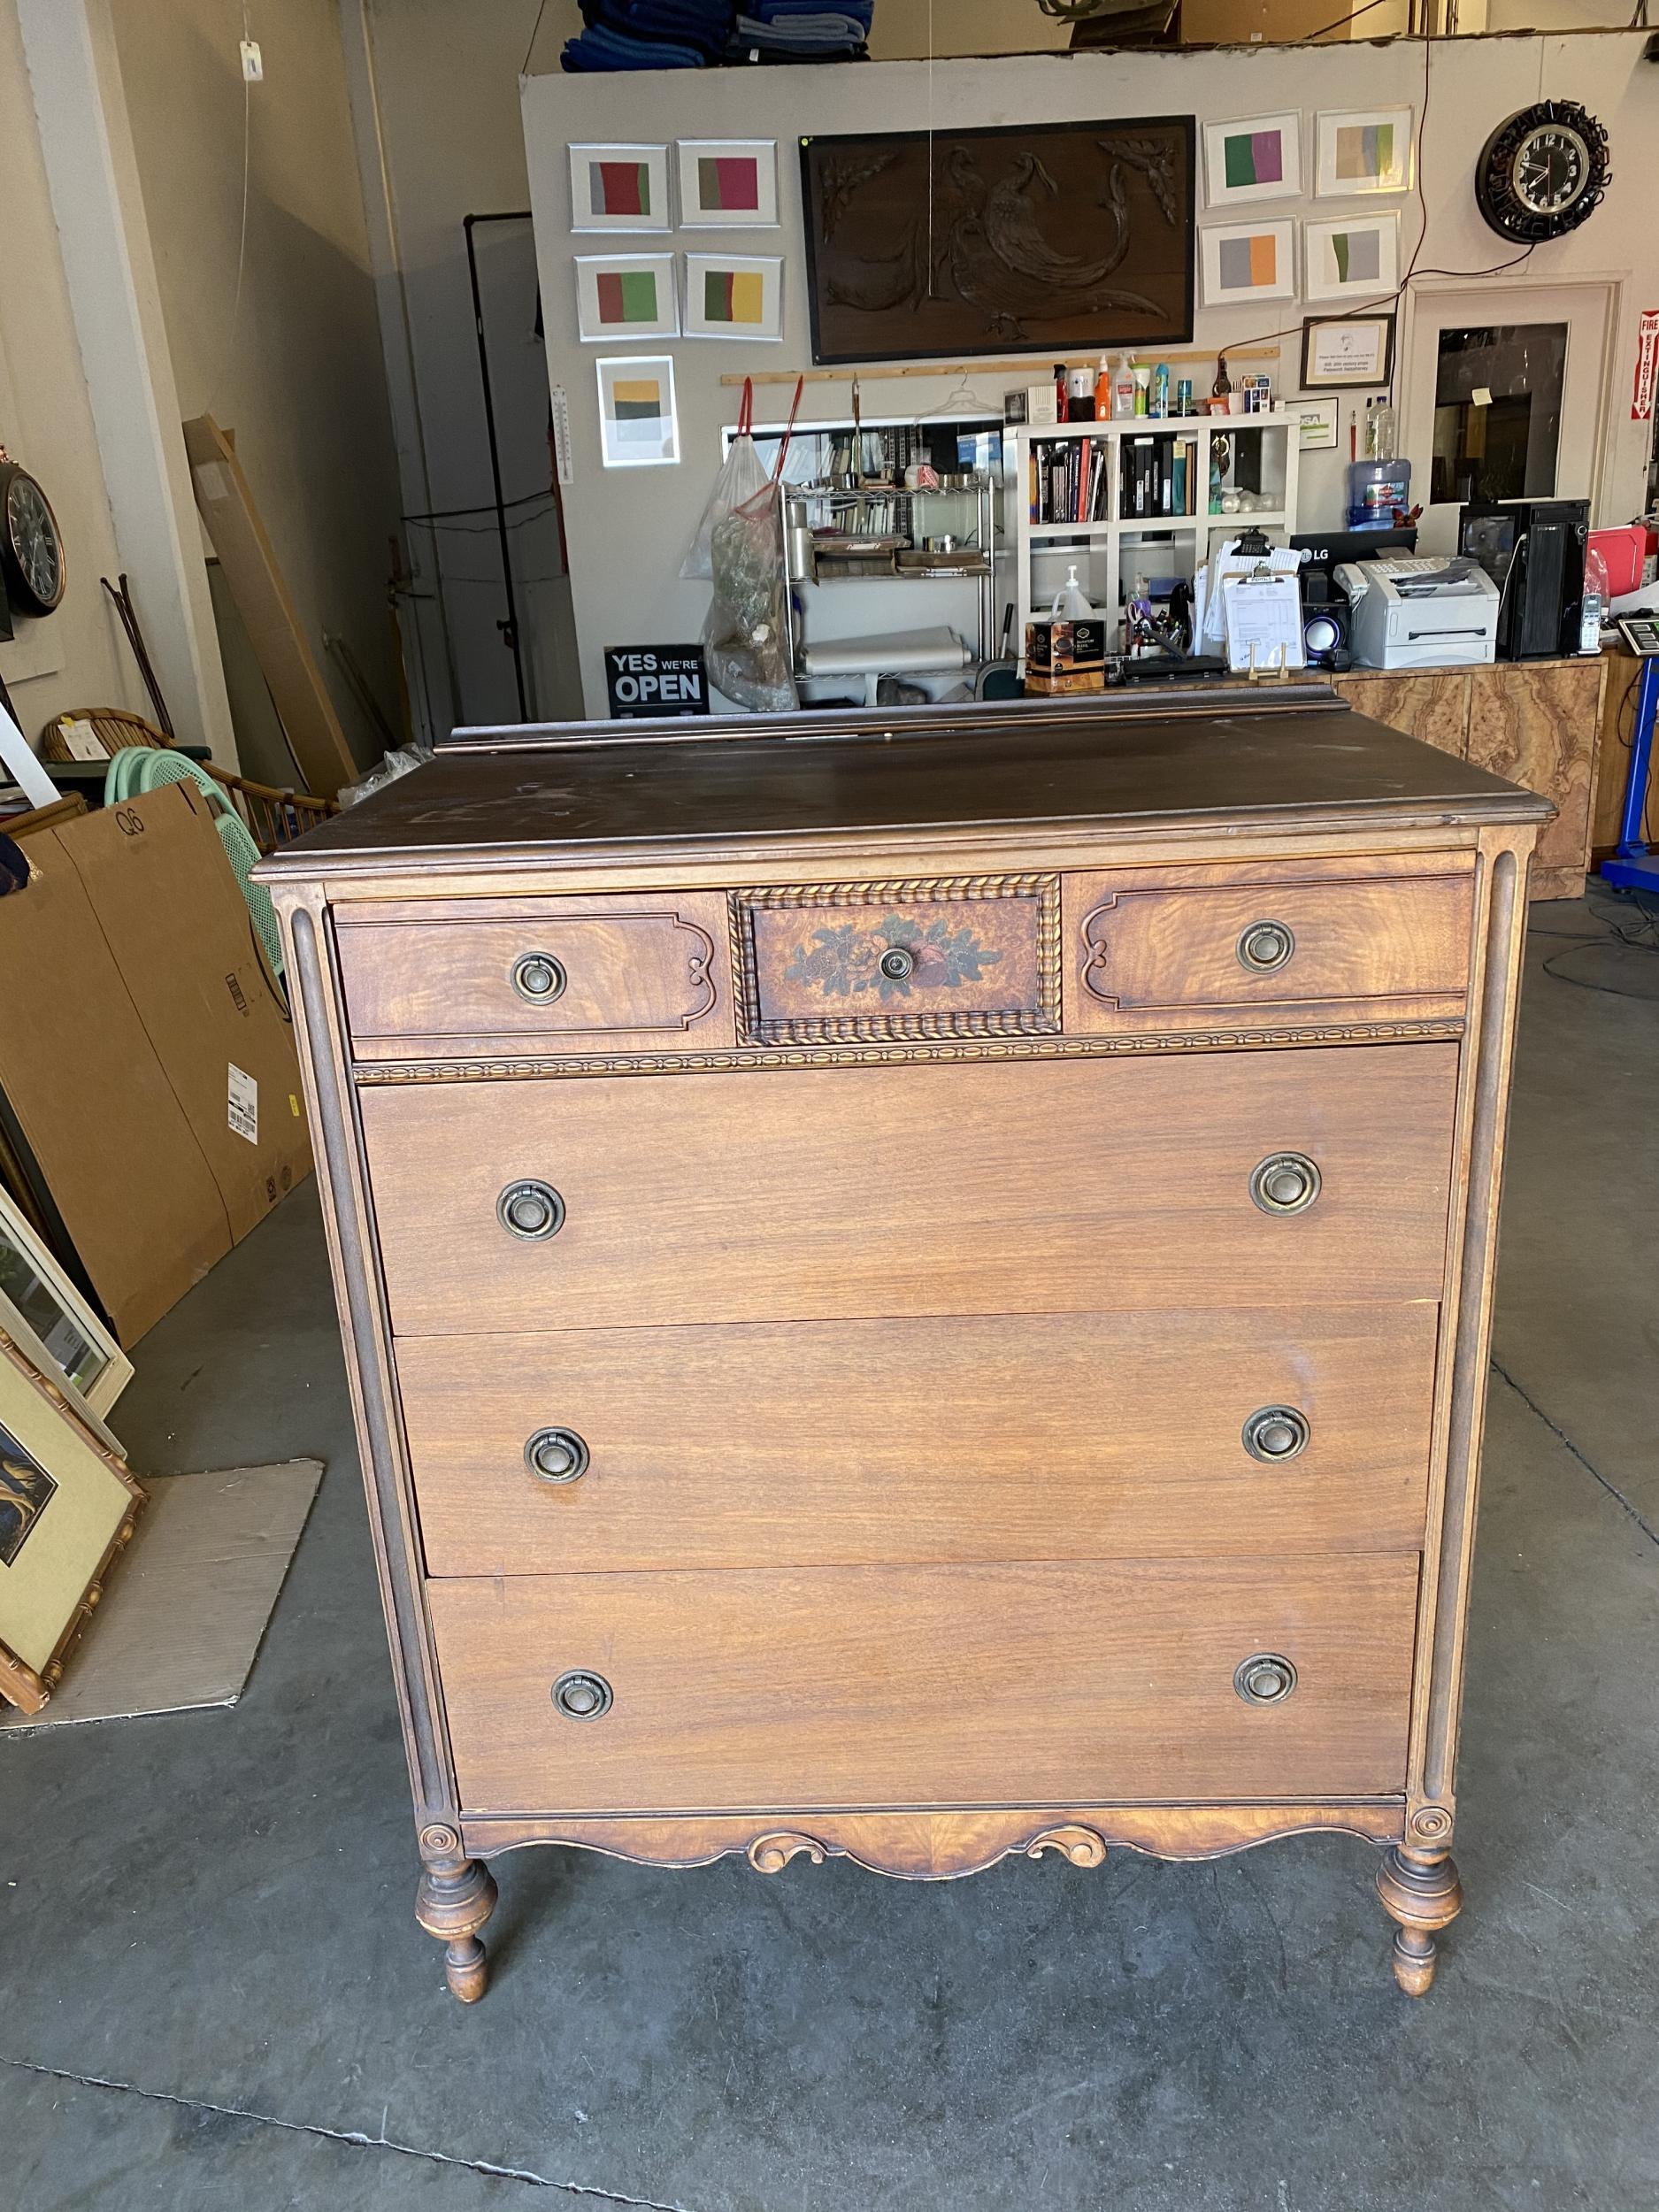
[(650, 34), (802, 30)]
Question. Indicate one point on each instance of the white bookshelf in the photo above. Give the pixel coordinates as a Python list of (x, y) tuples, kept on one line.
[(1109, 555)]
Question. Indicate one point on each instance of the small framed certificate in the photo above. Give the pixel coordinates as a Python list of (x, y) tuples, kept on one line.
[(1340, 352)]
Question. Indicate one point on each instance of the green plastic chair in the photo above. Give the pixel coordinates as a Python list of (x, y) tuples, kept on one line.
[(137, 769)]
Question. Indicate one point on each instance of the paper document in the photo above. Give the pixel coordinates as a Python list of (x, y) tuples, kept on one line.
[(1264, 623)]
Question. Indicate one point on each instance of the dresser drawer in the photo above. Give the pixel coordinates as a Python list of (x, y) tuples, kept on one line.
[(611, 974), (1205, 948), (1084, 1436), (928, 1686), (864, 962), (1058, 1187)]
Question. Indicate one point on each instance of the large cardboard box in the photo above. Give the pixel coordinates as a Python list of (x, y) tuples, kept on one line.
[(146, 1054)]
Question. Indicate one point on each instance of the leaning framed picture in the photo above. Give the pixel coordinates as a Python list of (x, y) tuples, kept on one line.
[(622, 296), (66, 1509), (728, 183), (1247, 261), (53, 1326), (1258, 157), (619, 188), (734, 296), (1366, 150), (638, 427), (1347, 352), (1357, 257)]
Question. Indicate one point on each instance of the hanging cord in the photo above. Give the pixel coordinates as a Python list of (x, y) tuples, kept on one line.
[(223, 370)]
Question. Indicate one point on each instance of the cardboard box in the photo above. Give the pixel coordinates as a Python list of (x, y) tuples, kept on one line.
[(146, 1059), (1064, 655)]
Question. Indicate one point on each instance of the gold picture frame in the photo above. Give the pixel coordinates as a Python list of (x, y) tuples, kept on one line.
[(67, 1508)]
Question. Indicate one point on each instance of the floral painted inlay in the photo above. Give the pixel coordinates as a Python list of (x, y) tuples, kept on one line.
[(844, 960)]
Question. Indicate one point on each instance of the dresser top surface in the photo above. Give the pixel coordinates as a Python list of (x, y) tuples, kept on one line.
[(658, 788)]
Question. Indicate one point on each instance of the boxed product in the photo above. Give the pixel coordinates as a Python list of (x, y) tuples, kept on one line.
[(1065, 653)]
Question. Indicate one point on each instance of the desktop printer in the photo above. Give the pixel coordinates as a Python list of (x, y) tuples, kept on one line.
[(1418, 611)]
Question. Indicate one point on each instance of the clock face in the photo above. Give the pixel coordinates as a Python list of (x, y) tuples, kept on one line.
[(34, 542), (1543, 172)]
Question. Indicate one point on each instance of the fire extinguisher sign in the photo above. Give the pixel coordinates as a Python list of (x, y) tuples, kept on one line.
[(1647, 365)]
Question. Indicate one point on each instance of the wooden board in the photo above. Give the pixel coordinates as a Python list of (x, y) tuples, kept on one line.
[(249, 563), (861, 1686), (1538, 722), (1056, 1187)]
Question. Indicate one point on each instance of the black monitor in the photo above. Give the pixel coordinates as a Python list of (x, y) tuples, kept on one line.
[(1329, 549)]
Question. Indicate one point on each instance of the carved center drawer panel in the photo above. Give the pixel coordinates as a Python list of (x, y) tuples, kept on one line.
[(828, 1194), (1196, 948), (928, 1685), (605, 974), (972, 956), (851, 1442)]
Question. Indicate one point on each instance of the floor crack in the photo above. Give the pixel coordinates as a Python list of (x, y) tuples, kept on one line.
[(352, 2137), (1556, 1430)]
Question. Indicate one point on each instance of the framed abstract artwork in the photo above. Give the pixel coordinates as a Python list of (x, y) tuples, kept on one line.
[(728, 183), (734, 296), (638, 427), (1343, 353), (619, 188), (626, 296), (1355, 258), (1053, 239), (1248, 261), (1368, 151), (66, 1509), (1257, 158)]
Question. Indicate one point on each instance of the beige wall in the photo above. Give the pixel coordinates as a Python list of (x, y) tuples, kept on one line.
[(76, 657), (304, 385)]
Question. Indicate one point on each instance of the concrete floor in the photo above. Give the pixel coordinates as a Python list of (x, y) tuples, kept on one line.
[(215, 1994)]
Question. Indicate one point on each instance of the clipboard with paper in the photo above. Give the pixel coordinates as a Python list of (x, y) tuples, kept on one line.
[(1261, 616)]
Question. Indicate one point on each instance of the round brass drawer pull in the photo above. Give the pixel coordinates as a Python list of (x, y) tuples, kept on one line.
[(556, 1455), (539, 977), (1285, 1183), (1264, 1679), (582, 1696), (1275, 1432), (530, 1209), (897, 964), (1266, 945)]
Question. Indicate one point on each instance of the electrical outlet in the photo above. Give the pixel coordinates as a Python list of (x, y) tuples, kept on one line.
[(252, 62)]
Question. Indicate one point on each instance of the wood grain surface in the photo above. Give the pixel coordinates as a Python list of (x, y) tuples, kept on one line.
[(1070, 1186), (1432, 706), (860, 1687), (1538, 723), (850, 1442)]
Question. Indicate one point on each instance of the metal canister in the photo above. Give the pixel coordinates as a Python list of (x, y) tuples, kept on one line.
[(803, 550), (1183, 397)]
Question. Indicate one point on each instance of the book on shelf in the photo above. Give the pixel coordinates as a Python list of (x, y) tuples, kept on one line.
[(1158, 477), (1068, 480)]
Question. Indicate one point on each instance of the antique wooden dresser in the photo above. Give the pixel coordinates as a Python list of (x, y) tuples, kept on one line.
[(917, 1287)]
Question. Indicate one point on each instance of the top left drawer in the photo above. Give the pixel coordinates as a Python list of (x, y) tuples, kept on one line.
[(473, 978)]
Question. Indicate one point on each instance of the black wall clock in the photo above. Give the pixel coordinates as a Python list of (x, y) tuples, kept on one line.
[(1542, 172), (31, 545)]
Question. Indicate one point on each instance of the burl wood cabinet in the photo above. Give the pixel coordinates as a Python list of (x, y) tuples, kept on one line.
[(917, 1288)]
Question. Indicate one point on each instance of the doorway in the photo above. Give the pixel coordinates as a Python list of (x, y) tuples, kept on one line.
[(1504, 396)]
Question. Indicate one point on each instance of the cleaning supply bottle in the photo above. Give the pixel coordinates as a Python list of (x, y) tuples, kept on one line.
[(1160, 405), (1143, 378), (1071, 603), (1123, 389), (1104, 392)]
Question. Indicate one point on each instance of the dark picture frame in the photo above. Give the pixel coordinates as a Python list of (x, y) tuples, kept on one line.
[(1366, 378), (1044, 239)]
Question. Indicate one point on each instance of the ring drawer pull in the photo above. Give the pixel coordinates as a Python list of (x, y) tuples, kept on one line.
[(1275, 1432), (1264, 1679), (1265, 946), (581, 1696), (897, 964), (531, 1210), (556, 1455), (539, 977), (1285, 1183)]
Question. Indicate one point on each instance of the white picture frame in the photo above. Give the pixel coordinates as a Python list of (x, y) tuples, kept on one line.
[(727, 183), (751, 297), (612, 289), (1317, 424), (1230, 255), (1352, 258), (1347, 168), (634, 434), (600, 200), (54, 1328), (1252, 143)]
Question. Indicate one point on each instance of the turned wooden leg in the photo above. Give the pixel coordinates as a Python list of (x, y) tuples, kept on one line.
[(1419, 1889), (456, 1897)]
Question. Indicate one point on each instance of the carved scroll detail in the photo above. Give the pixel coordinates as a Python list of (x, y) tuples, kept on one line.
[(770, 1855), (1082, 1845)]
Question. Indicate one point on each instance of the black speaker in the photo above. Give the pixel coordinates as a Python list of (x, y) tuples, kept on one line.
[(1325, 622)]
